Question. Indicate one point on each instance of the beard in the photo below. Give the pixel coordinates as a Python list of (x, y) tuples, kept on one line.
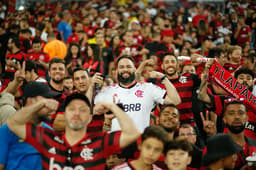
[(58, 81), (170, 74), (235, 129), (169, 129), (127, 80), (76, 127)]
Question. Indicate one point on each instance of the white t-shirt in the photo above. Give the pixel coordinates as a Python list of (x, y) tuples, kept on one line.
[(138, 101)]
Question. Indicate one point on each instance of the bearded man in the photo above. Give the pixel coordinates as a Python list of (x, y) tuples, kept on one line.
[(137, 99), (185, 84), (236, 119)]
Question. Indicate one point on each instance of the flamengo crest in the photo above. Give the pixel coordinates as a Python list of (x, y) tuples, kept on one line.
[(87, 153)]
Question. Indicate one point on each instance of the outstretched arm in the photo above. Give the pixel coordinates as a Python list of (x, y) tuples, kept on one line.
[(17, 123), (130, 133), (172, 93), (203, 95)]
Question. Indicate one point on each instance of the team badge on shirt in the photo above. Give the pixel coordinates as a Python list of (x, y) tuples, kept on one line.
[(87, 153), (139, 93), (183, 79)]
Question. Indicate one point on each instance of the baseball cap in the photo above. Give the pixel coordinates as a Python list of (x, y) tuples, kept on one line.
[(79, 96), (33, 89)]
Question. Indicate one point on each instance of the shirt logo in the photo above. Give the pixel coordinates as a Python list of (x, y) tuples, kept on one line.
[(56, 138), (52, 150), (86, 142), (139, 93), (183, 79), (87, 154), (41, 57)]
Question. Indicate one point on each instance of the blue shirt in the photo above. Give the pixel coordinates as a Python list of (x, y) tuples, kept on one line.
[(66, 29), (16, 154)]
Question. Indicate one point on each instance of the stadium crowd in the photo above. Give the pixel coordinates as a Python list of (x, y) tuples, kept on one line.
[(128, 84)]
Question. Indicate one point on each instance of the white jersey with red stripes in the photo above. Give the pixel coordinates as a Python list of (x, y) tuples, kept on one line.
[(138, 100)]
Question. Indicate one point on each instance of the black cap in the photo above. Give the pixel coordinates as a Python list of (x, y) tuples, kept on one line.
[(220, 146), (79, 96), (33, 89)]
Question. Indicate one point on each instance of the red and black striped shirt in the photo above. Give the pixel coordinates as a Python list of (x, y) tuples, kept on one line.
[(89, 153), (218, 104), (185, 85)]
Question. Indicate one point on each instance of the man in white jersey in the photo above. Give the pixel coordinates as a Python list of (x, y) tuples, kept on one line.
[(138, 99)]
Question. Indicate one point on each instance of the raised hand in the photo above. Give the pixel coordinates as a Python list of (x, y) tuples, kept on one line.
[(156, 74), (97, 79), (19, 75), (49, 107), (208, 125)]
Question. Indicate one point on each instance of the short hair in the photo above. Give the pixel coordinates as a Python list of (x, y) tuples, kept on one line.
[(56, 60), (232, 48), (30, 65), (244, 70), (169, 105), (80, 69), (36, 40), (125, 56), (232, 102), (215, 52), (177, 144), (15, 40), (168, 53), (182, 67), (155, 132), (251, 57), (24, 31), (185, 126), (67, 77)]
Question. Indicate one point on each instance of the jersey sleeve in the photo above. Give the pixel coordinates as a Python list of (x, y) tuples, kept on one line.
[(158, 94), (217, 104), (6, 139), (34, 136), (102, 96), (112, 143)]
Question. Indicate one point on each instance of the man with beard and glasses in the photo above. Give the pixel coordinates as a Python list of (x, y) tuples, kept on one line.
[(75, 148), (244, 76), (138, 99), (185, 85), (236, 119)]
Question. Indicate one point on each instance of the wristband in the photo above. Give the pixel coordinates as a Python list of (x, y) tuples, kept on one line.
[(163, 78)]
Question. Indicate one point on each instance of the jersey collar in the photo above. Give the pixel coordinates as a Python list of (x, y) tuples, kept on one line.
[(130, 86)]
